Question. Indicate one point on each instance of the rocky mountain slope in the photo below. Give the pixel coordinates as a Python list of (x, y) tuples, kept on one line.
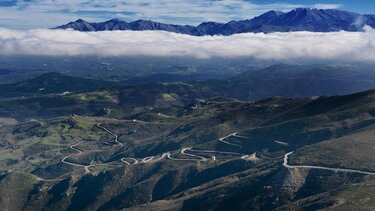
[(301, 19), (214, 154)]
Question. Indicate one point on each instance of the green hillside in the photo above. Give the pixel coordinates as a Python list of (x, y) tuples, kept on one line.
[(189, 156)]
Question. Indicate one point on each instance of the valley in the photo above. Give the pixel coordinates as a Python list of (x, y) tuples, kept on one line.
[(171, 155), (187, 105)]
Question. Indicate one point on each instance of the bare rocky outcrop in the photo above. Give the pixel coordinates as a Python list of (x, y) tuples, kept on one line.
[(290, 181)]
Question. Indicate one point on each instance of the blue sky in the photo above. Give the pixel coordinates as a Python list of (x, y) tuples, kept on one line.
[(27, 14)]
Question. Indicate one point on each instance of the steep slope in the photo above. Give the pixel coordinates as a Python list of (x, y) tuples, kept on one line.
[(116, 24), (332, 126)]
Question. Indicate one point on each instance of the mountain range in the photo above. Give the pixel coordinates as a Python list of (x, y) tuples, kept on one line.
[(276, 80), (300, 19), (213, 154), (51, 83), (51, 89), (265, 139)]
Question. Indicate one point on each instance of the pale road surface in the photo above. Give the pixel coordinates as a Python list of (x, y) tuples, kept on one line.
[(128, 163), (212, 151), (168, 155), (185, 151), (238, 136), (45, 180), (73, 147), (111, 133), (286, 165), (281, 143), (148, 159), (164, 155), (226, 142), (196, 158), (153, 159), (252, 157)]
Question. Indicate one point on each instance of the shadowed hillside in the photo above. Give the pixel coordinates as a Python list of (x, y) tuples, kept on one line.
[(216, 153)]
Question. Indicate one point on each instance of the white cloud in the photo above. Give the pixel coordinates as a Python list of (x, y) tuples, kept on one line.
[(327, 6), (354, 46)]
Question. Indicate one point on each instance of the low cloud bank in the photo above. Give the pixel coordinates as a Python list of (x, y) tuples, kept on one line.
[(352, 46)]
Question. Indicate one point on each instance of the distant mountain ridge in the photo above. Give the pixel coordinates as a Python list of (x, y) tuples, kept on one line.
[(276, 80), (300, 19), (52, 83)]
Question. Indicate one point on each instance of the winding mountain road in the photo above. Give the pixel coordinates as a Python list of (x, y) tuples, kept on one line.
[(243, 156), (128, 163), (213, 151), (73, 147), (111, 133), (169, 156), (164, 155), (187, 151), (286, 165), (226, 142), (147, 159), (45, 180), (183, 152)]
